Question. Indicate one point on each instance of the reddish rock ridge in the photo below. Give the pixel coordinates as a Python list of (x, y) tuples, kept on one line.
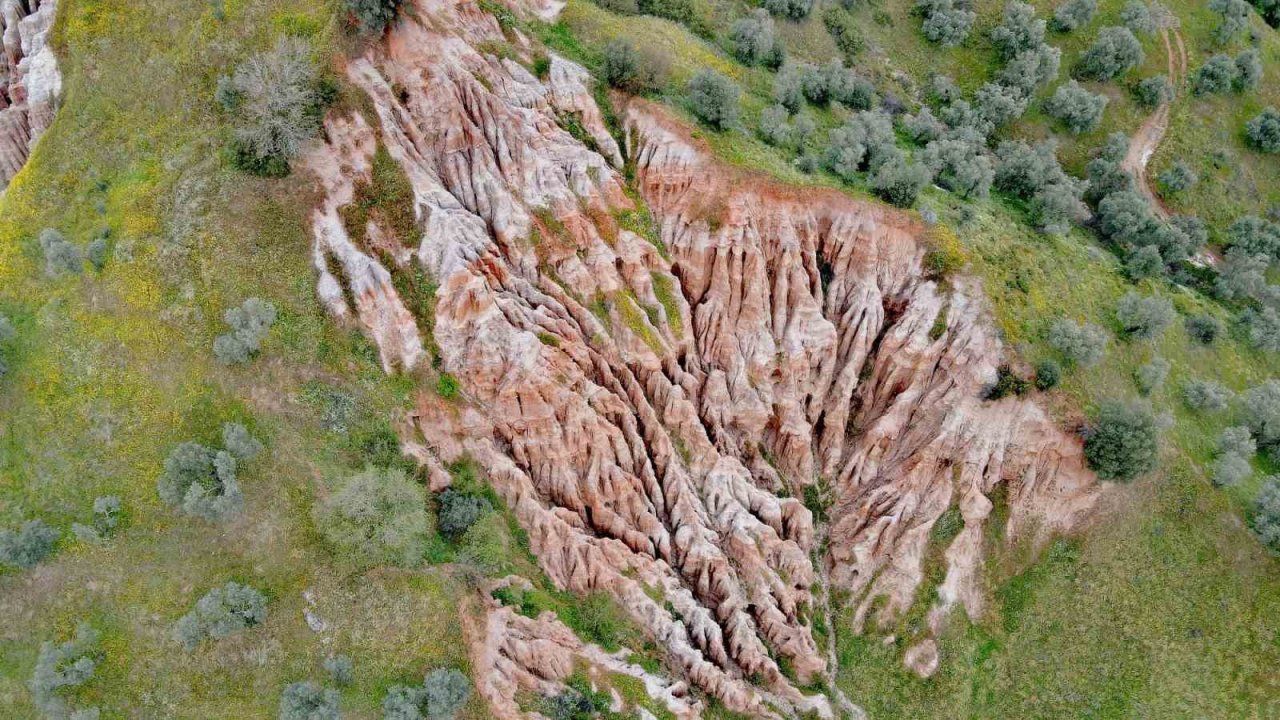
[(651, 408), (29, 80)]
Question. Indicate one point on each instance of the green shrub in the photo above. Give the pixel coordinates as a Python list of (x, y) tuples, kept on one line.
[(447, 386), (249, 323), (459, 510), (1007, 383), (222, 612), (844, 32), (1123, 441), (97, 253), (306, 700), (1048, 373), (371, 16), (378, 516), (597, 619), (29, 545), (790, 9), (632, 70), (61, 667), (1115, 52), (713, 98), (237, 440), (774, 128)]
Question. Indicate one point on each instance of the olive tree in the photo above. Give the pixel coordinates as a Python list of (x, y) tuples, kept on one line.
[(1263, 131), (1082, 345), (899, 181), (754, 40), (278, 107), (306, 700), (1024, 170), (1235, 18), (1266, 513), (1217, 75), (714, 99), (1237, 439), (29, 545), (1206, 395), (946, 22), (1073, 14), (1136, 16), (1077, 108), (220, 613), (1145, 318), (789, 87), (1019, 30), (1263, 327), (377, 516), (865, 142), (1153, 91), (250, 324), (1112, 54), (441, 696), (201, 481), (960, 166), (632, 70), (790, 9), (1122, 441), (1204, 328), (1179, 177), (61, 256), (1261, 412), (1248, 70), (1150, 376), (62, 667), (1230, 469)]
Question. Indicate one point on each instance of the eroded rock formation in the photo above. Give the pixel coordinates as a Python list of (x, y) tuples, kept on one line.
[(29, 80), (655, 371)]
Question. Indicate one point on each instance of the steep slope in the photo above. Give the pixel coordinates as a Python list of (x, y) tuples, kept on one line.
[(29, 80), (651, 408)]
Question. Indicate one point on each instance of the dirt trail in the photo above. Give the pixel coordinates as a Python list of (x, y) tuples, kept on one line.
[(1147, 139)]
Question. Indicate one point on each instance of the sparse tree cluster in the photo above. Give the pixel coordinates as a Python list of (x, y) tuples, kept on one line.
[(249, 326), (220, 613)]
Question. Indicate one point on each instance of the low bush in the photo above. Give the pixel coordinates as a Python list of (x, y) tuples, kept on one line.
[(1238, 440), (338, 668), (1204, 328), (106, 518), (1178, 178), (1151, 375), (61, 256), (1153, 91), (201, 481), (371, 16), (1048, 373)]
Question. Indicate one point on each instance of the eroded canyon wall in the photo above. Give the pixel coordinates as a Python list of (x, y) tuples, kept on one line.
[(30, 83), (660, 353)]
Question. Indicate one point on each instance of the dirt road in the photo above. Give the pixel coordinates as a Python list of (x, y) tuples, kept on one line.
[(1147, 139)]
